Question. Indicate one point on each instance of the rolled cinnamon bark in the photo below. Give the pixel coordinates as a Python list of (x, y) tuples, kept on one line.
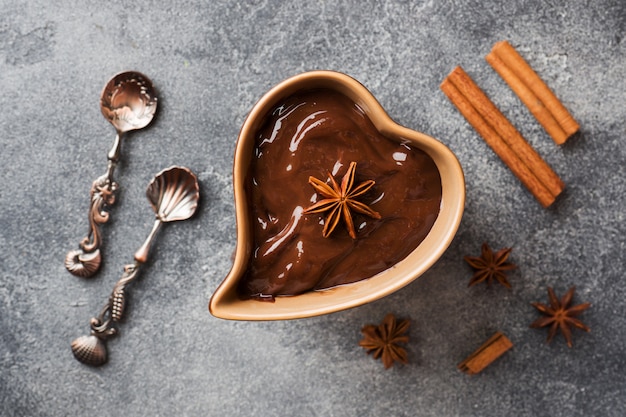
[(533, 92)]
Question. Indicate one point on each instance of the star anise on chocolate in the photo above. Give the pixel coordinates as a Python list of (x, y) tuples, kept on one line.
[(490, 266), (382, 340), (340, 200), (559, 315)]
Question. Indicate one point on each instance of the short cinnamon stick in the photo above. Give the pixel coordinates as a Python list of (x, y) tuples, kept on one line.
[(491, 350), (502, 137), (533, 92)]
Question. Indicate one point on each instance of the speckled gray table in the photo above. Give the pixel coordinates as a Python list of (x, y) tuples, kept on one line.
[(210, 62)]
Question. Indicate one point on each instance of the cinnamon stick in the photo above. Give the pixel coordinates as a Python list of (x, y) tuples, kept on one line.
[(533, 92), (502, 137), (491, 350)]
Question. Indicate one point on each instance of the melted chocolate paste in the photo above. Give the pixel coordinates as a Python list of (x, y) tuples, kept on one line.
[(312, 134)]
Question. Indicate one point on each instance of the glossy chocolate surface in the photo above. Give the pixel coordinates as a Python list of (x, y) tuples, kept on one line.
[(313, 134)]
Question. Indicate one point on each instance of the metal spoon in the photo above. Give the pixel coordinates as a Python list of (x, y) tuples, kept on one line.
[(174, 195), (128, 102)]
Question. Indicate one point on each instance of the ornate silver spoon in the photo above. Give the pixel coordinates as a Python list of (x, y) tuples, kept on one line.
[(128, 102), (173, 194)]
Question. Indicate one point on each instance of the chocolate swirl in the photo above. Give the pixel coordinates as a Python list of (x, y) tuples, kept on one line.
[(315, 133)]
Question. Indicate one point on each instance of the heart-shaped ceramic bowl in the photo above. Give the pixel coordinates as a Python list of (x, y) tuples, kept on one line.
[(226, 303)]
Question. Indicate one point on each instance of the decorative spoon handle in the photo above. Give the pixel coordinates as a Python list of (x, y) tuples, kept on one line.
[(91, 350), (174, 195), (85, 261)]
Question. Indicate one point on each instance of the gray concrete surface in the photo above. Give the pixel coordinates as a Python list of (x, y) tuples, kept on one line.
[(210, 62)]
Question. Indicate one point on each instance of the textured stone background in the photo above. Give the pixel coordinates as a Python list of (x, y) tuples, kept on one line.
[(210, 62)]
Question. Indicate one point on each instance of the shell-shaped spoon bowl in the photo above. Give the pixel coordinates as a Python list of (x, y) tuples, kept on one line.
[(226, 303), (174, 194)]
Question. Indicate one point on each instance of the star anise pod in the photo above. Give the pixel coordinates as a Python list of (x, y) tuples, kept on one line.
[(339, 200), (559, 315), (490, 266), (382, 340)]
